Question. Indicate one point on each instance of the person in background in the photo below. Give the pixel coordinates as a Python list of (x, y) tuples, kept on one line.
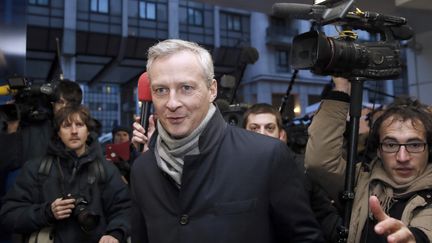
[(27, 136), (122, 152), (202, 180), (72, 193), (265, 119), (393, 192)]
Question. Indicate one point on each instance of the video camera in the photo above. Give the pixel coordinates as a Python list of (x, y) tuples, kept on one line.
[(343, 56), (32, 101)]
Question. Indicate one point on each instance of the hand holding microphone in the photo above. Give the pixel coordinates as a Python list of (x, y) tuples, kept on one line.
[(144, 126)]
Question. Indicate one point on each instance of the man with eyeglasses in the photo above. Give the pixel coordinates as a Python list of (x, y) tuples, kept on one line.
[(393, 193)]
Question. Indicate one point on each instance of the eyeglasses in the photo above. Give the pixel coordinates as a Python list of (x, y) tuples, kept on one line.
[(410, 147)]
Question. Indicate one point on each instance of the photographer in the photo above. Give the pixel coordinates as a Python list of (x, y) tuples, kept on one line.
[(393, 192), (71, 192), (27, 135)]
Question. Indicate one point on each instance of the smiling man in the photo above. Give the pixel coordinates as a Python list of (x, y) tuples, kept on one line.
[(393, 193), (202, 180), (62, 193)]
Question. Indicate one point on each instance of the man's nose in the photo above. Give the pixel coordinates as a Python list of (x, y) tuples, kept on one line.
[(403, 155), (74, 128), (173, 100)]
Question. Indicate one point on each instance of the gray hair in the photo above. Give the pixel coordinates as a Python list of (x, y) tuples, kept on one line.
[(172, 46)]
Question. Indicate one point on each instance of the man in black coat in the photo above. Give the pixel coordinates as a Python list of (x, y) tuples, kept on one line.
[(71, 192), (27, 136), (265, 119), (204, 181)]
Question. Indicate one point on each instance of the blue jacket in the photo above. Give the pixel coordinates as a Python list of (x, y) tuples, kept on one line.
[(242, 187)]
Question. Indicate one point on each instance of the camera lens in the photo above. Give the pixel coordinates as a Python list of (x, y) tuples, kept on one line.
[(88, 220)]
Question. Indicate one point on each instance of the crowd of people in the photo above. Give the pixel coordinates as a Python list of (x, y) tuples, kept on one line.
[(191, 177)]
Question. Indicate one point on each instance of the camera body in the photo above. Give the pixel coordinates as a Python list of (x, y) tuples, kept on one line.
[(344, 56), (86, 218), (32, 101)]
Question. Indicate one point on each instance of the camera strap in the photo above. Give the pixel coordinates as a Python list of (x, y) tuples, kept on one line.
[(96, 170)]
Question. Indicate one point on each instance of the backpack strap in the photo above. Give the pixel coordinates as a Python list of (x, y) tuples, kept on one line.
[(45, 165), (96, 170)]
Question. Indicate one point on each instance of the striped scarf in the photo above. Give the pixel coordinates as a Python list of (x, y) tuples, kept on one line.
[(170, 152)]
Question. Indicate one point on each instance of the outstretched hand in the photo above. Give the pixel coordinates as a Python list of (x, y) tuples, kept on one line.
[(395, 230)]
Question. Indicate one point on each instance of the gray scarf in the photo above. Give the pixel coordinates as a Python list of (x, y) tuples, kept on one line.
[(170, 151)]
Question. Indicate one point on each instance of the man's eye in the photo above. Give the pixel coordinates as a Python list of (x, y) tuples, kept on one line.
[(187, 88), (66, 125), (270, 129), (160, 91), (391, 145), (415, 145)]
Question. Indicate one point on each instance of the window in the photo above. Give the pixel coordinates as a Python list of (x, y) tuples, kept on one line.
[(282, 60), (147, 10), (39, 2), (99, 6), (195, 17), (234, 22)]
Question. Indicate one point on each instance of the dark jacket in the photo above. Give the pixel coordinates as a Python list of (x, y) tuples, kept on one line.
[(26, 206), (30, 141), (242, 187)]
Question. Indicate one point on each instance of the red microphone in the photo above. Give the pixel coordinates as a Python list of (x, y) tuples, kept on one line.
[(144, 95)]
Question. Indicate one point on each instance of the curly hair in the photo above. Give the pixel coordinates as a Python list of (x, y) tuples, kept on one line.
[(405, 110)]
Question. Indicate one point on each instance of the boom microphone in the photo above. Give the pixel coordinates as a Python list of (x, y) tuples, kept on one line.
[(144, 95), (298, 10)]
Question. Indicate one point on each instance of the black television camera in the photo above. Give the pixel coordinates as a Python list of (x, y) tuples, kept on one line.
[(343, 56), (87, 219), (32, 101)]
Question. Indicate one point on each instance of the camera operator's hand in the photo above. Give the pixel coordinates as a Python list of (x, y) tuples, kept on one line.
[(108, 239), (138, 133), (342, 85), (395, 230), (62, 208)]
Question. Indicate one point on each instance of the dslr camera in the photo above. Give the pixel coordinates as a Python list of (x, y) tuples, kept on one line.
[(344, 55), (86, 218)]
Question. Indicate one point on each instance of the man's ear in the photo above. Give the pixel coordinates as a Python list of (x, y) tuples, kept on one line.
[(283, 135), (213, 90)]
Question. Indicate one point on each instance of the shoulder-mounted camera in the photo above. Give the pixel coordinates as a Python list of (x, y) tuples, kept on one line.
[(343, 55)]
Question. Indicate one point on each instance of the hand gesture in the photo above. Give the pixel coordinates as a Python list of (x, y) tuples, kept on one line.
[(395, 230), (62, 208), (138, 136)]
